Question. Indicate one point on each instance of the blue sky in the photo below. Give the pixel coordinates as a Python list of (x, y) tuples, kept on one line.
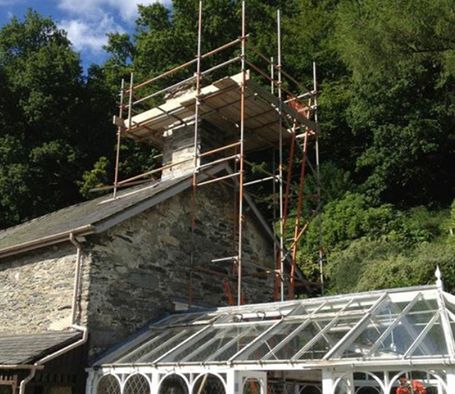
[(86, 21)]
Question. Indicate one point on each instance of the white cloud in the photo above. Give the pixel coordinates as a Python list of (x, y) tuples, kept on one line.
[(89, 34), (88, 21), (127, 9)]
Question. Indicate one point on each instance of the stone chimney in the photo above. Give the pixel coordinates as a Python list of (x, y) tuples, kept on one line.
[(178, 147)]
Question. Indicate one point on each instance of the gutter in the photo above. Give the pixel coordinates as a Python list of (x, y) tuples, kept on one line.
[(40, 363), (46, 241), (19, 366)]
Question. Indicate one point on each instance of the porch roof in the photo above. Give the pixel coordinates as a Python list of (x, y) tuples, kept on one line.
[(28, 348), (389, 327)]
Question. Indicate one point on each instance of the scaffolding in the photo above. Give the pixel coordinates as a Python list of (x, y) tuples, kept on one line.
[(256, 110)]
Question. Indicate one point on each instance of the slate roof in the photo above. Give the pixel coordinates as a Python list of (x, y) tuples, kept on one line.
[(79, 215), (99, 214), (27, 349)]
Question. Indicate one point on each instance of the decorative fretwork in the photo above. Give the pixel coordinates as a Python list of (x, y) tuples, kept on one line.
[(108, 384), (137, 384), (209, 384)]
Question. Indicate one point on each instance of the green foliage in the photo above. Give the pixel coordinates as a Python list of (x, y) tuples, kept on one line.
[(403, 250), (349, 218), (410, 269), (347, 267), (402, 107), (385, 34), (97, 177), (47, 121)]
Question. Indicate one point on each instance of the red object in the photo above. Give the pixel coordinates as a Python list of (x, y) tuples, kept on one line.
[(299, 107), (417, 388)]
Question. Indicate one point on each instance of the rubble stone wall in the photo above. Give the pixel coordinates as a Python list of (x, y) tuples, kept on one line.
[(36, 290), (141, 266)]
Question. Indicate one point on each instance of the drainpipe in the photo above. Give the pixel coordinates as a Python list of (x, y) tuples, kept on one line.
[(40, 363), (77, 279), (24, 381)]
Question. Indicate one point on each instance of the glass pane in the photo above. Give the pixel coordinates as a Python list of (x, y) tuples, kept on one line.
[(108, 384), (272, 339), (343, 387), (433, 343), (242, 338), (154, 350), (297, 340), (157, 338), (406, 330), (338, 329), (251, 386), (372, 331), (136, 384), (208, 384), (317, 351), (214, 340)]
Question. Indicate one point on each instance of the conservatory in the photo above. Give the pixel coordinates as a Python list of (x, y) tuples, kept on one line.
[(357, 343)]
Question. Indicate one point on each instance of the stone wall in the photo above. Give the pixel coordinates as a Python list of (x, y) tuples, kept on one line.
[(36, 290), (134, 272), (178, 147), (139, 267)]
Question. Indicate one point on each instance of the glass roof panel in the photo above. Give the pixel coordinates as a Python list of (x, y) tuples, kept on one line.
[(179, 334), (402, 324), (317, 351), (296, 340), (433, 342), (270, 340), (220, 340), (247, 334), (157, 339), (182, 352), (403, 329), (327, 337), (374, 327)]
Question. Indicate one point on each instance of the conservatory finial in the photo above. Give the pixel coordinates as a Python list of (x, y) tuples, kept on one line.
[(438, 275)]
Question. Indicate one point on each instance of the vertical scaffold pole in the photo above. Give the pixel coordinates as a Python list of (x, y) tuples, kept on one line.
[(241, 164), (198, 92), (318, 180), (280, 158), (130, 101), (119, 138), (196, 152), (272, 75), (297, 227)]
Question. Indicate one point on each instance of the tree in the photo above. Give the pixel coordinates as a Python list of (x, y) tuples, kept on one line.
[(47, 135), (402, 107)]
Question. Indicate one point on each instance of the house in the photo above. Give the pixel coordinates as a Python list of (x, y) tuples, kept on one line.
[(79, 280)]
